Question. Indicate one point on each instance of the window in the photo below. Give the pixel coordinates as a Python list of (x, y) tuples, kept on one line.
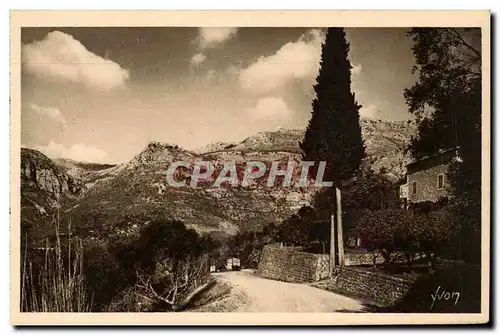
[(414, 188), (440, 181)]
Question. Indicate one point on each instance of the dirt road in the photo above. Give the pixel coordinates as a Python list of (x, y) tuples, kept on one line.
[(242, 291)]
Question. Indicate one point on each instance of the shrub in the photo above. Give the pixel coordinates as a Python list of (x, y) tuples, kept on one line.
[(128, 301), (52, 278), (297, 229), (408, 231), (102, 273), (366, 190), (377, 230), (161, 266)]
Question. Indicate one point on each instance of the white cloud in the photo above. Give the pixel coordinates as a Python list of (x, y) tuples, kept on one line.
[(271, 108), (61, 57), (78, 152), (297, 60), (198, 58), (210, 36), (52, 112), (355, 79), (370, 112)]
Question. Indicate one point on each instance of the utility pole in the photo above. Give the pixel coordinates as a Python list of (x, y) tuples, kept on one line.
[(332, 244), (340, 237)]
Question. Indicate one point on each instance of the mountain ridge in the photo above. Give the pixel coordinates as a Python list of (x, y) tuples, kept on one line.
[(118, 197), (385, 143)]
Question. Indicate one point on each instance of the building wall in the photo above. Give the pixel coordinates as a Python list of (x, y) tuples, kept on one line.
[(403, 191), (427, 188)]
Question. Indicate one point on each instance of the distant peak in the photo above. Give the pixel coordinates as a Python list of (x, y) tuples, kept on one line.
[(155, 145)]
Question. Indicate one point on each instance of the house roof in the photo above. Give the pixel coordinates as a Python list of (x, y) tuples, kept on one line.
[(445, 154), (400, 181)]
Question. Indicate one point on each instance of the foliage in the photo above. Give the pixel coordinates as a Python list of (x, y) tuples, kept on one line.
[(366, 190), (155, 269), (334, 133), (172, 280), (247, 245), (377, 230), (442, 231), (52, 278), (410, 232), (446, 100), (448, 63), (102, 273), (128, 301), (296, 230), (164, 263)]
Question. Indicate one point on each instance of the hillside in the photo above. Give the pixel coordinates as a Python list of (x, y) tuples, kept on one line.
[(385, 143), (39, 173), (140, 188), (45, 188), (110, 199), (89, 173)]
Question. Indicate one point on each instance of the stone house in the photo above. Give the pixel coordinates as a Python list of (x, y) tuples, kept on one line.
[(427, 180)]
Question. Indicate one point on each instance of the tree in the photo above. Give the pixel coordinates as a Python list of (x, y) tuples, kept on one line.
[(367, 190), (377, 230), (296, 229), (410, 232), (440, 232), (164, 263), (446, 100), (333, 134)]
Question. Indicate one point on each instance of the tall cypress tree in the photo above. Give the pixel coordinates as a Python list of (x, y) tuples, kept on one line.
[(334, 132)]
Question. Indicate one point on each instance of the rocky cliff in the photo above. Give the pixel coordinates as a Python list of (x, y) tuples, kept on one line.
[(45, 190), (38, 172)]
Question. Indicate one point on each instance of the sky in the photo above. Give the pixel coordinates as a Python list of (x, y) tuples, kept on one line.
[(102, 94)]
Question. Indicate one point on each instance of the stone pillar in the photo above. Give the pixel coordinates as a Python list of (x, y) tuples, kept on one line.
[(332, 244)]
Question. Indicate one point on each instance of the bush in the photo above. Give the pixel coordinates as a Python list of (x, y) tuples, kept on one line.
[(366, 190), (52, 278), (377, 230), (162, 265), (409, 232), (102, 273), (297, 230), (129, 301)]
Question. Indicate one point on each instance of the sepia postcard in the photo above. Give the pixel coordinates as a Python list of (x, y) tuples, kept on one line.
[(250, 167)]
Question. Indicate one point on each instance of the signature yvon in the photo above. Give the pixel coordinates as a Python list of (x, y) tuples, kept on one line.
[(441, 294)]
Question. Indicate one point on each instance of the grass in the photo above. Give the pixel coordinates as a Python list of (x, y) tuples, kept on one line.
[(52, 278)]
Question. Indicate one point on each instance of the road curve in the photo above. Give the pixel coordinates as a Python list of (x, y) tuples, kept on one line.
[(250, 293)]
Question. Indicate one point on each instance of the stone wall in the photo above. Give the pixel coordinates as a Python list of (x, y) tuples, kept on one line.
[(290, 265), (376, 287), (361, 258)]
